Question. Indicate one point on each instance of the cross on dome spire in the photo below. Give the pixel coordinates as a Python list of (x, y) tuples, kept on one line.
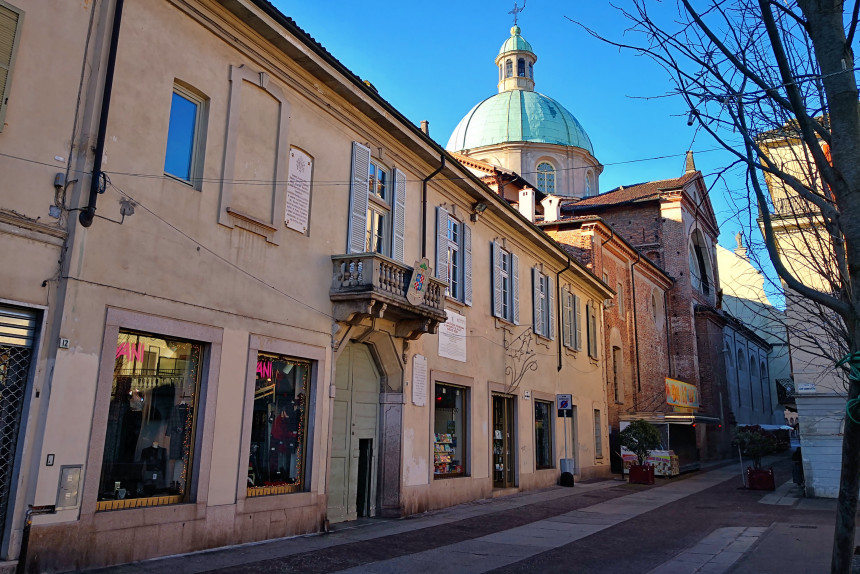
[(517, 10)]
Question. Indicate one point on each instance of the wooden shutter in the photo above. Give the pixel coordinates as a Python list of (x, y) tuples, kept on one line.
[(537, 310), (496, 265), (358, 190), (442, 243), (515, 288), (566, 327), (467, 264), (399, 216), (10, 32), (577, 340), (550, 315)]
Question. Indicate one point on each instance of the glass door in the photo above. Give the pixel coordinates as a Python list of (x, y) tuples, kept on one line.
[(503, 441)]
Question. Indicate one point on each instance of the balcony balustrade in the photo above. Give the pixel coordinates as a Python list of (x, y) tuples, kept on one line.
[(370, 285)]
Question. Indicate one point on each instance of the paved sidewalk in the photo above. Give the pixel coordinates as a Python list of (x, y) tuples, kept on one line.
[(527, 532)]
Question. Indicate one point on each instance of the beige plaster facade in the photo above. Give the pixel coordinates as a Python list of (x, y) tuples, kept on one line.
[(820, 388), (212, 262)]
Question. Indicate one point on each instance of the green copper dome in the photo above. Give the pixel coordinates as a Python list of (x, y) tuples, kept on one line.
[(518, 116), (515, 43)]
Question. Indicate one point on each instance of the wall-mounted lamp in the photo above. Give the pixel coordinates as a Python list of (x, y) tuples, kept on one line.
[(477, 209)]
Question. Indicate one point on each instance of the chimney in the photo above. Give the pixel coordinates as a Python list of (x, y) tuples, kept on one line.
[(741, 250), (527, 203), (551, 208), (425, 127), (691, 163)]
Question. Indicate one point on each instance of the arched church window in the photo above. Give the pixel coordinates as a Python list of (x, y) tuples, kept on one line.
[(700, 268), (546, 177), (531, 71), (509, 68), (521, 68)]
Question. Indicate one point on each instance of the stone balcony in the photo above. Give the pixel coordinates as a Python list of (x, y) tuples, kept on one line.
[(372, 286)]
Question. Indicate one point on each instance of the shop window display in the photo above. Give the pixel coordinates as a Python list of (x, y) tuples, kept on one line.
[(279, 425), (449, 446), (152, 418)]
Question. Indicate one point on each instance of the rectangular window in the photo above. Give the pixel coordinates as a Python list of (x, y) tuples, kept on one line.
[(570, 321), (449, 431), (378, 211), (543, 435), (376, 223), (276, 461), (377, 181), (454, 255), (152, 419), (591, 329), (10, 32), (598, 436), (616, 374), (454, 263), (505, 283), (184, 156), (542, 304)]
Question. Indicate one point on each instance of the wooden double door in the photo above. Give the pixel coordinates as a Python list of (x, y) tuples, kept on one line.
[(354, 443)]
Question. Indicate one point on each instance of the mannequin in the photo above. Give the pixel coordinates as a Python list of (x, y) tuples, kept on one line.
[(154, 460)]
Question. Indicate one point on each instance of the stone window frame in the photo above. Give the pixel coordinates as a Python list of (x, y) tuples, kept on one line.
[(211, 338), (545, 178), (198, 138), (316, 356), (227, 216), (468, 383)]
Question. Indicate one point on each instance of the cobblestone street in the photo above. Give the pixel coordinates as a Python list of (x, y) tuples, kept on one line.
[(700, 522)]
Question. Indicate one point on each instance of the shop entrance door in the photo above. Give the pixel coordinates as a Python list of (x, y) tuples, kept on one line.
[(353, 440), (17, 338), (504, 443)]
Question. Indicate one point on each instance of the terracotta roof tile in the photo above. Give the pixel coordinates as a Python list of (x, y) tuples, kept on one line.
[(637, 192)]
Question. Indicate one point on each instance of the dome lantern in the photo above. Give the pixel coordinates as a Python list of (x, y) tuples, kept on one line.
[(516, 62)]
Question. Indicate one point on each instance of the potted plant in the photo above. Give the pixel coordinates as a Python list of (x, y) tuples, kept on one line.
[(755, 442), (640, 438)]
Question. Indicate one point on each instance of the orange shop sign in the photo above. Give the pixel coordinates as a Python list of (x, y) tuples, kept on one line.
[(681, 395)]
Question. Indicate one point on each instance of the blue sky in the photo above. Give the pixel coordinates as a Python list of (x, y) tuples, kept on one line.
[(434, 61)]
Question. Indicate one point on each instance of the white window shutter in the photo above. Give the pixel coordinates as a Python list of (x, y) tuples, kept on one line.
[(550, 314), (577, 340), (515, 287), (467, 264), (496, 264), (565, 319), (399, 219), (537, 312), (442, 243), (356, 237)]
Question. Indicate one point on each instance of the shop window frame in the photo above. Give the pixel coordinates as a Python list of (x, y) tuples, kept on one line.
[(211, 339), (316, 357), (452, 380), (550, 421)]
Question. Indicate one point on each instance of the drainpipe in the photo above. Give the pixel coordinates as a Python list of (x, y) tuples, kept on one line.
[(635, 330), (559, 321), (424, 207), (89, 212), (668, 337)]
